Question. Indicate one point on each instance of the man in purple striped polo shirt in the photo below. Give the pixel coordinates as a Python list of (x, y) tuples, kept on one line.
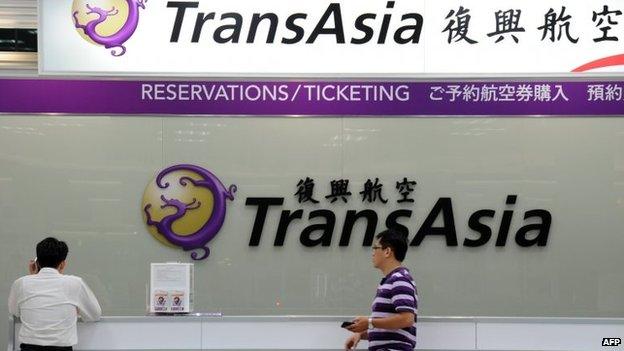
[(392, 324)]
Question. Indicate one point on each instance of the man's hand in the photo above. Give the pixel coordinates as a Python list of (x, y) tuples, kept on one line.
[(32, 267), (359, 325), (352, 341)]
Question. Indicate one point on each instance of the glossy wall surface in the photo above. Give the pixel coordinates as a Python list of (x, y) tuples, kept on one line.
[(82, 178)]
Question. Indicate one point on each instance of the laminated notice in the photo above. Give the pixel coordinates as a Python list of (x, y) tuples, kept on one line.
[(171, 288)]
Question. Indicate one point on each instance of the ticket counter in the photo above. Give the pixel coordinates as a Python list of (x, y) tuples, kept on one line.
[(197, 332)]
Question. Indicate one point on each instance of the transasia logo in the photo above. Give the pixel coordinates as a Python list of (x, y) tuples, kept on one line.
[(229, 27), (533, 232), (184, 206), (108, 23)]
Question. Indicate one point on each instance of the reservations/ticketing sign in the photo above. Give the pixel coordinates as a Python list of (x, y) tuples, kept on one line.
[(310, 98), (324, 37)]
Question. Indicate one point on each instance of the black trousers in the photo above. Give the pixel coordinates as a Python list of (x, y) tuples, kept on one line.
[(29, 347)]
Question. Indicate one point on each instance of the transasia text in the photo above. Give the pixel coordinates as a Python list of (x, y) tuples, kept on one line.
[(320, 224), (229, 27)]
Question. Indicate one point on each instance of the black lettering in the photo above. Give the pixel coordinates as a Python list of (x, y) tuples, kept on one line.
[(416, 30), (263, 204), (293, 27), (338, 30), (284, 222), (444, 206), (362, 27), (350, 219), (327, 228), (503, 230), (255, 22), (199, 25), (235, 28), (177, 25), (385, 23), (391, 221), (484, 230), (543, 229)]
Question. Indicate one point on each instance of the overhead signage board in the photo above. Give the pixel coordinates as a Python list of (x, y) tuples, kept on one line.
[(327, 38)]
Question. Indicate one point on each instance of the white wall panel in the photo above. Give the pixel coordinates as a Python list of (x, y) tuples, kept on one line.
[(82, 179)]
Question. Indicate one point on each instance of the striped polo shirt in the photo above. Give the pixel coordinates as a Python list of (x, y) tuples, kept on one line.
[(396, 293)]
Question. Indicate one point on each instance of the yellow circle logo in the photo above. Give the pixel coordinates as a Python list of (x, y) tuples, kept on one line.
[(108, 23), (184, 205)]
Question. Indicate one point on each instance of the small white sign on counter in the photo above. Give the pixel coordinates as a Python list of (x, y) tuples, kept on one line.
[(171, 287)]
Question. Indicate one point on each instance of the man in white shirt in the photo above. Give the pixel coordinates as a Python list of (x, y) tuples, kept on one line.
[(48, 302)]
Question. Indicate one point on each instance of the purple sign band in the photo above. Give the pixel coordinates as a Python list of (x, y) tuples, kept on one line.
[(312, 98)]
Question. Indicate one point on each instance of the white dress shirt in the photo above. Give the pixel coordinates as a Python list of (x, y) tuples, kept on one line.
[(48, 304)]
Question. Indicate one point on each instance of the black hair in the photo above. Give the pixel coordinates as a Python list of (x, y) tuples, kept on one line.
[(394, 240), (51, 252)]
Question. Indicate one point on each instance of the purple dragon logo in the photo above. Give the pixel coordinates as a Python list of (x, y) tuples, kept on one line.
[(200, 238), (114, 41)]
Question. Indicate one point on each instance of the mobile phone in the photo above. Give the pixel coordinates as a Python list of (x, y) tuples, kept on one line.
[(346, 324)]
